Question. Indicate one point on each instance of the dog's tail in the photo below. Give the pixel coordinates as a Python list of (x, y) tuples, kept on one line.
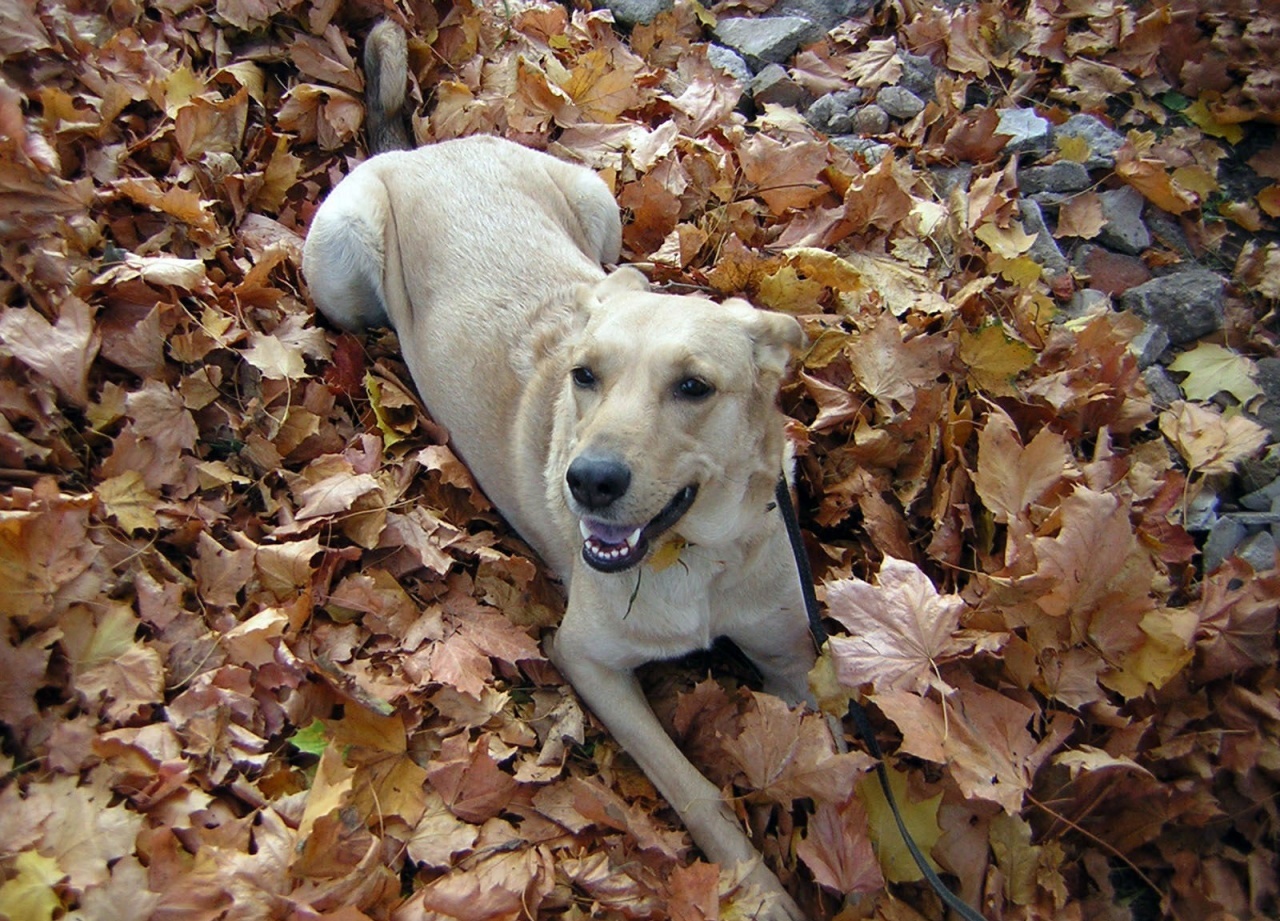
[(386, 70)]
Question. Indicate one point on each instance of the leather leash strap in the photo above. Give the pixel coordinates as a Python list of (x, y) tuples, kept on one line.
[(856, 711)]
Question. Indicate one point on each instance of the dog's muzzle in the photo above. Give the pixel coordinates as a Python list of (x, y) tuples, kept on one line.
[(608, 547)]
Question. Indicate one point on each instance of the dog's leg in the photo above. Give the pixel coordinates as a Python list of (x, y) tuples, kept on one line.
[(617, 699), (344, 256)]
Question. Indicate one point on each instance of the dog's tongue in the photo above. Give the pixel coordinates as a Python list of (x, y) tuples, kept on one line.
[(609, 534)]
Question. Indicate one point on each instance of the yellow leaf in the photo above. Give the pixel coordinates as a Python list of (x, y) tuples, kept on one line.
[(1073, 147), (1210, 442), (30, 894), (1212, 369), (180, 88), (994, 359), (1009, 242), (1269, 200), (127, 498), (1152, 179), (667, 555), (1200, 115), (390, 437), (1195, 179), (1166, 649), (785, 290), (1022, 271), (920, 818)]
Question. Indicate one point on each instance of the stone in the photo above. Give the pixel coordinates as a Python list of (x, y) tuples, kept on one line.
[(1264, 499), (1103, 141), (832, 113), (636, 12), (899, 102), (1164, 389), (1167, 232), (767, 40), (870, 119), (1123, 229), (824, 14), (1063, 176), (1084, 301), (1259, 551), (1224, 537), (774, 86), (1267, 377), (1149, 345), (871, 152), (1045, 249), (730, 62), (1027, 131), (948, 179), (919, 75), (1202, 511), (1186, 305), (1111, 272)]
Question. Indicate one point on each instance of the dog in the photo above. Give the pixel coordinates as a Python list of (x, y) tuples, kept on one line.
[(612, 426)]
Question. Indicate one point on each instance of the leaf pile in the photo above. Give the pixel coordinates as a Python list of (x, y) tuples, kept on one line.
[(269, 654)]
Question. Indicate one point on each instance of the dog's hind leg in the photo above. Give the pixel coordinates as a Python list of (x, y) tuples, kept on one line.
[(345, 253)]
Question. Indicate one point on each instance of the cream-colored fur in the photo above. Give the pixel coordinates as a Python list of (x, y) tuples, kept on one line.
[(486, 259)]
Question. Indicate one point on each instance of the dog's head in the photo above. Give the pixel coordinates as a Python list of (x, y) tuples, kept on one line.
[(669, 415)]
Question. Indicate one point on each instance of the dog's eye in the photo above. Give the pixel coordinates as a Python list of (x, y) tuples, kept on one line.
[(694, 388), (583, 376)]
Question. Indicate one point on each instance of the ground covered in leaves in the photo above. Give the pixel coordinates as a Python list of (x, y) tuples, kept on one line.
[(267, 653)]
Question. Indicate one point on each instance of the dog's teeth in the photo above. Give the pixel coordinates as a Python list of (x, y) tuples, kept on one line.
[(586, 532), (634, 538)]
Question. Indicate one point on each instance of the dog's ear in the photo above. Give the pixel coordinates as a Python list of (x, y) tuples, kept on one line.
[(775, 336), (621, 280)]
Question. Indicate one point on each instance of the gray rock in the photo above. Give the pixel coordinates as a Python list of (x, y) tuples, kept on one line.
[(949, 178), (636, 12), (1166, 231), (1123, 229), (1268, 377), (1202, 511), (1063, 176), (919, 75), (1264, 499), (774, 86), (1149, 344), (1027, 131), (1186, 305), (870, 119), (899, 102), (730, 62), (1164, 389), (1259, 551), (833, 113), (769, 40), (871, 152), (1045, 248), (1224, 537), (1084, 301), (1252, 521), (824, 14), (1103, 142)]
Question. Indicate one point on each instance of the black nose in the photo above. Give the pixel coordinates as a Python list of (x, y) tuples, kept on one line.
[(595, 482)]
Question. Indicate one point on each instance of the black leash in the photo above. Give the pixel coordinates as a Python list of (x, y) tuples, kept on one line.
[(856, 711)]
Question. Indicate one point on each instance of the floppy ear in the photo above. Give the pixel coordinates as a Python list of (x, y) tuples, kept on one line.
[(775, 336), (622, 279)]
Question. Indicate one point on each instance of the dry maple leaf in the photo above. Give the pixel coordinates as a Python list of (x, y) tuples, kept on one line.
[(900, 629), (786, 754), (837, 848), (1009, 477)]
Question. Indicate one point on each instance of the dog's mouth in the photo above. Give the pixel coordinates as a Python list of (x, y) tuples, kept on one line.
[(612, 548)]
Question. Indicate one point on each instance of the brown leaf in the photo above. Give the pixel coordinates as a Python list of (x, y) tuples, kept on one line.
[(900, 629), (61, 352)]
